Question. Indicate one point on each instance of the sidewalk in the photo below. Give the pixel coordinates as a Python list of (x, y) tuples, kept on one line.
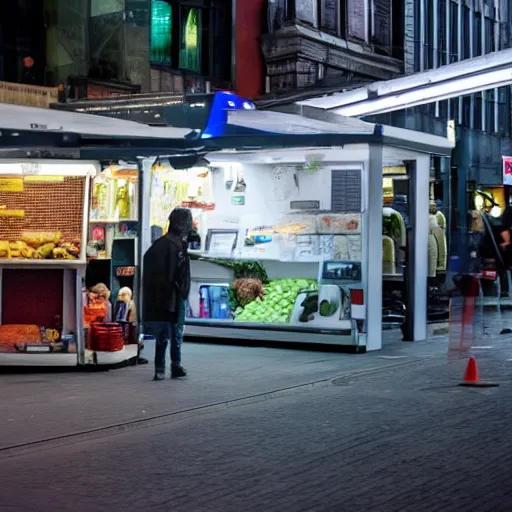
[(36, 407)]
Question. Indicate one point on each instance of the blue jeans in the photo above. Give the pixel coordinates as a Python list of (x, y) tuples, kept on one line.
[(163, 332)]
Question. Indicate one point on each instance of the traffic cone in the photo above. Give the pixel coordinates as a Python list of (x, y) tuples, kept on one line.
[(471, 378)]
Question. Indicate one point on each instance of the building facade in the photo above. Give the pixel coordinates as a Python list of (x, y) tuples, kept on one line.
[(316, 43)]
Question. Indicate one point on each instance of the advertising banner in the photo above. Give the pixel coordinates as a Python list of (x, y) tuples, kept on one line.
[(507, 170)]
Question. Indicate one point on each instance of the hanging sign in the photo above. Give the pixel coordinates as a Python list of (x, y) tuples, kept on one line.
[(507, 170), (11, 184), (12, 213)]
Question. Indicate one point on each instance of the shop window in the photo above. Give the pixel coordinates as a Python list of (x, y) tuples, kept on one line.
[(191, 32), (161, 32)]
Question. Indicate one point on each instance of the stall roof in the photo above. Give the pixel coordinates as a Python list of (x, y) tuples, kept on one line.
[(15, 117), (253, 128)]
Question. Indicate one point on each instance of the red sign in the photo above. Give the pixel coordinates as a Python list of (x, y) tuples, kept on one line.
[(507, 170)]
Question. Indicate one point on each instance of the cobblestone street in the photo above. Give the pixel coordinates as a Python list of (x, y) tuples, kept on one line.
[(385, 432)]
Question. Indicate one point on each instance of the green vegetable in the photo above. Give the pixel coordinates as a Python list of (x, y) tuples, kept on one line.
[(278, 302), (328, 308)]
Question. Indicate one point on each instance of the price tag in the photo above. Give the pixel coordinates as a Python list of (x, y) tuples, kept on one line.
[(13, 213), (11, 184), (125, 271), (30, 168)]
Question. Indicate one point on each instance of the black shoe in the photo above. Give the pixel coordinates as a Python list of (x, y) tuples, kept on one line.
[(159, 376), (177, 372), (142, 360)]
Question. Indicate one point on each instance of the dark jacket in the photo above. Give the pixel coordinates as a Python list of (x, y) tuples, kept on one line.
[(165, 280)]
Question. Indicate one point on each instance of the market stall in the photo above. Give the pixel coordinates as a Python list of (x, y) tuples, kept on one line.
[(69, 240), (292, 232), (43, 236)]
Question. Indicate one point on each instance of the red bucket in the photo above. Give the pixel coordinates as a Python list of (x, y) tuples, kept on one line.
[(105, 337)]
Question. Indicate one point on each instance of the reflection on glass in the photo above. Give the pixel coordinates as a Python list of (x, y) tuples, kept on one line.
[(190, 55), (161, 31)]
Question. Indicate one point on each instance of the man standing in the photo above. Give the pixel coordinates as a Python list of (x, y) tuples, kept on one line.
[(165, 289)]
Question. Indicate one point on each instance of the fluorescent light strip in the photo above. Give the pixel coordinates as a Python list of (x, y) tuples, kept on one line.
[(429, 94)]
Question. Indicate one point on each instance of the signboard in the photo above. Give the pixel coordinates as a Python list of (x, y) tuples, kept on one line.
[(507, 170), (238, 200), (11, 184)]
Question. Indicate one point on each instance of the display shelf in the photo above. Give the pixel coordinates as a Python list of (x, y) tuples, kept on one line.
[(42, 263), (112, 221), (258, 332), (106, 358)]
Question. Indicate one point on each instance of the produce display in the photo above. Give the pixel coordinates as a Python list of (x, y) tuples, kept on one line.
[(40, 246), (278, 302)]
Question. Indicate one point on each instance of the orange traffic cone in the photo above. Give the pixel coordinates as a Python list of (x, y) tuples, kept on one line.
[(471, 376)]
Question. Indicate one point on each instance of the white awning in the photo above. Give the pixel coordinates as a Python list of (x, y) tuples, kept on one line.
[(290, 124), (15, 117), (462, 78)]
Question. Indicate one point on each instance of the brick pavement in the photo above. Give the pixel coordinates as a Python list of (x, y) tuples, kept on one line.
[(391, 441), (401, 439)]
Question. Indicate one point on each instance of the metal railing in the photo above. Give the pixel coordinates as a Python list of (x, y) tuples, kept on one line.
[(27, 95)]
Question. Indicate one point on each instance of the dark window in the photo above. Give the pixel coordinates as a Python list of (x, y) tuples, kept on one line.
[(466, 31), (357, 19), (428, 35), (454, 42), (441, 45), (478, 111), (330, 16), (489, 36), (489, 112), (466, 111), (381, 25), (478, 35)]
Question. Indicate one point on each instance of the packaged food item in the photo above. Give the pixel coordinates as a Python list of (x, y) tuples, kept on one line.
[(12, 335), (36, 240), (45, 251), (5, 251)]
